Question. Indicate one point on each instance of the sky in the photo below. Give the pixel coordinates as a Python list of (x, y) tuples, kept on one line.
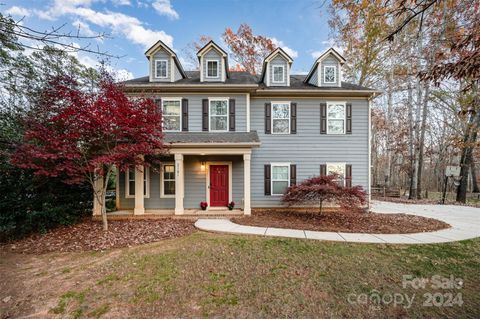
[(300, 27)]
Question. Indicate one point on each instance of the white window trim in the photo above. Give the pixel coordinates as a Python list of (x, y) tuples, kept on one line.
[(218, 70), (271, 176), (170, 99), (289, 117), (127, 183), (334, 72), (210, 113), (336, 164), (344, 119), (166, 69), (273, 73), (162, 186)]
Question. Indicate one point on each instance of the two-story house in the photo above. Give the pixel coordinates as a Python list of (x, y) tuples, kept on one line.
[(244, 138)]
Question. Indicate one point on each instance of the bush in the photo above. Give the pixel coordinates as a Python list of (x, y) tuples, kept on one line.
[(35, 204), (317, 190)]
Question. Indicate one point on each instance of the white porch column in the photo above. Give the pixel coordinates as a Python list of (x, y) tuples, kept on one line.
[(139, 197), (97, 207), (179, 184), (247, 210)]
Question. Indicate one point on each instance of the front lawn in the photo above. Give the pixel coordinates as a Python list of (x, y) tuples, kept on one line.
[(226, 276)]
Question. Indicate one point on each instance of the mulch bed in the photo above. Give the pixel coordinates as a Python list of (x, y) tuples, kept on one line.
[(340, 221), (89, 235)]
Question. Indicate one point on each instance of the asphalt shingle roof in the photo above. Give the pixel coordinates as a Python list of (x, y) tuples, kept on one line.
[(245, 78), (207, 137)]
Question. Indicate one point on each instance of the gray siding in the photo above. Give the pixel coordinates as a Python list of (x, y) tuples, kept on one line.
[(330, 61), (278, 60), (195, 109), (314, 78), (212, 54), (160, 55), (308, 148), (176, 75), (195, 185)]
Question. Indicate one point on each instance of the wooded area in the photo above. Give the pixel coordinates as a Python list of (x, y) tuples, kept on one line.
[(425, 57)]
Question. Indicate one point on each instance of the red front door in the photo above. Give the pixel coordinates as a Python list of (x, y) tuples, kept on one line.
[(218, 185)]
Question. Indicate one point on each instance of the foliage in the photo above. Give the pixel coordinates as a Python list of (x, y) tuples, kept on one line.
[(248, 49), (203, 205), (318, 189), (30, 203), (231, 205), (81, 135)]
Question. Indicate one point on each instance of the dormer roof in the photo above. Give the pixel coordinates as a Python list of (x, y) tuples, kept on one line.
[(272, 55), (159, 45), (322, 56), (210, 45)]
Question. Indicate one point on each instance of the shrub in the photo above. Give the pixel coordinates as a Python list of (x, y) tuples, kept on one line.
[(317, 190)]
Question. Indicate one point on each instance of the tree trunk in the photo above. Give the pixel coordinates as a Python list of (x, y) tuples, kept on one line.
[(473, 172), (388, 169), (470, 137), (421, 142), (411, 144)]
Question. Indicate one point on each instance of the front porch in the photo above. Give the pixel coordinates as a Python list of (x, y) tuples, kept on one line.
[(208, 173)]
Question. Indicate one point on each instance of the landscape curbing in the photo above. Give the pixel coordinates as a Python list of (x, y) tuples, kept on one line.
[(464, 222)]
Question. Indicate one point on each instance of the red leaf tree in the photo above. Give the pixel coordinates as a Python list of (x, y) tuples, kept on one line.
[(82, 135), (318, 189)]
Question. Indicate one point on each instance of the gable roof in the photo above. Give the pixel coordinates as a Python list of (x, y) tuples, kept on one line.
[(159, 44), (270, 56), (210, 44), (322, 57), (224, 54)]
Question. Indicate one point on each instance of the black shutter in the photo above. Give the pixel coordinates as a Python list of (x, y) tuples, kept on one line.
[(323, 118), (267, 179), (348, 129), (205, 115), (348, 175), (293, 174), (293, 118), (231, 119), (184, 114), (268, 121), (323, 169)]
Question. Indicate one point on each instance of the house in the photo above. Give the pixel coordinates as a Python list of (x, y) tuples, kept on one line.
[(244, 138)]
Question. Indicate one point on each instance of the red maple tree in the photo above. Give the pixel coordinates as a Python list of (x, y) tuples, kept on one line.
[(318, 189), (82, 135)]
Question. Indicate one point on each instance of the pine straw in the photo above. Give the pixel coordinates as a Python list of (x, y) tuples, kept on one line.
[(338, 221), (89, 235)]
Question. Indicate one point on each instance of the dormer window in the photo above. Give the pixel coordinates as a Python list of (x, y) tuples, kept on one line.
[(212, 68), (278, 74), (329, 74), (161, 69)]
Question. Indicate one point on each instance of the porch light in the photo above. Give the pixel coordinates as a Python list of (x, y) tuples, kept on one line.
[(202, 166)]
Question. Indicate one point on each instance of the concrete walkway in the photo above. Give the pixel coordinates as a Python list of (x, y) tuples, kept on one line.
[(465, 222)]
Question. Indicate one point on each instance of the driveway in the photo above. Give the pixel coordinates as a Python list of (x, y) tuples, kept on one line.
[(465, 222)]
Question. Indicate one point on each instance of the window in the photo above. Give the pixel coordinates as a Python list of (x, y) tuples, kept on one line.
[(161, 68), (336, 118), (212, 69), (278, 75), (339, 169), (218, 115), (280, 178), (130, 183), (281, 118), (329, 75), (172, 115), (167, 180)]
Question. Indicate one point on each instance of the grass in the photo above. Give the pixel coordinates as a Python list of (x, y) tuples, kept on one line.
[(208, 275)]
